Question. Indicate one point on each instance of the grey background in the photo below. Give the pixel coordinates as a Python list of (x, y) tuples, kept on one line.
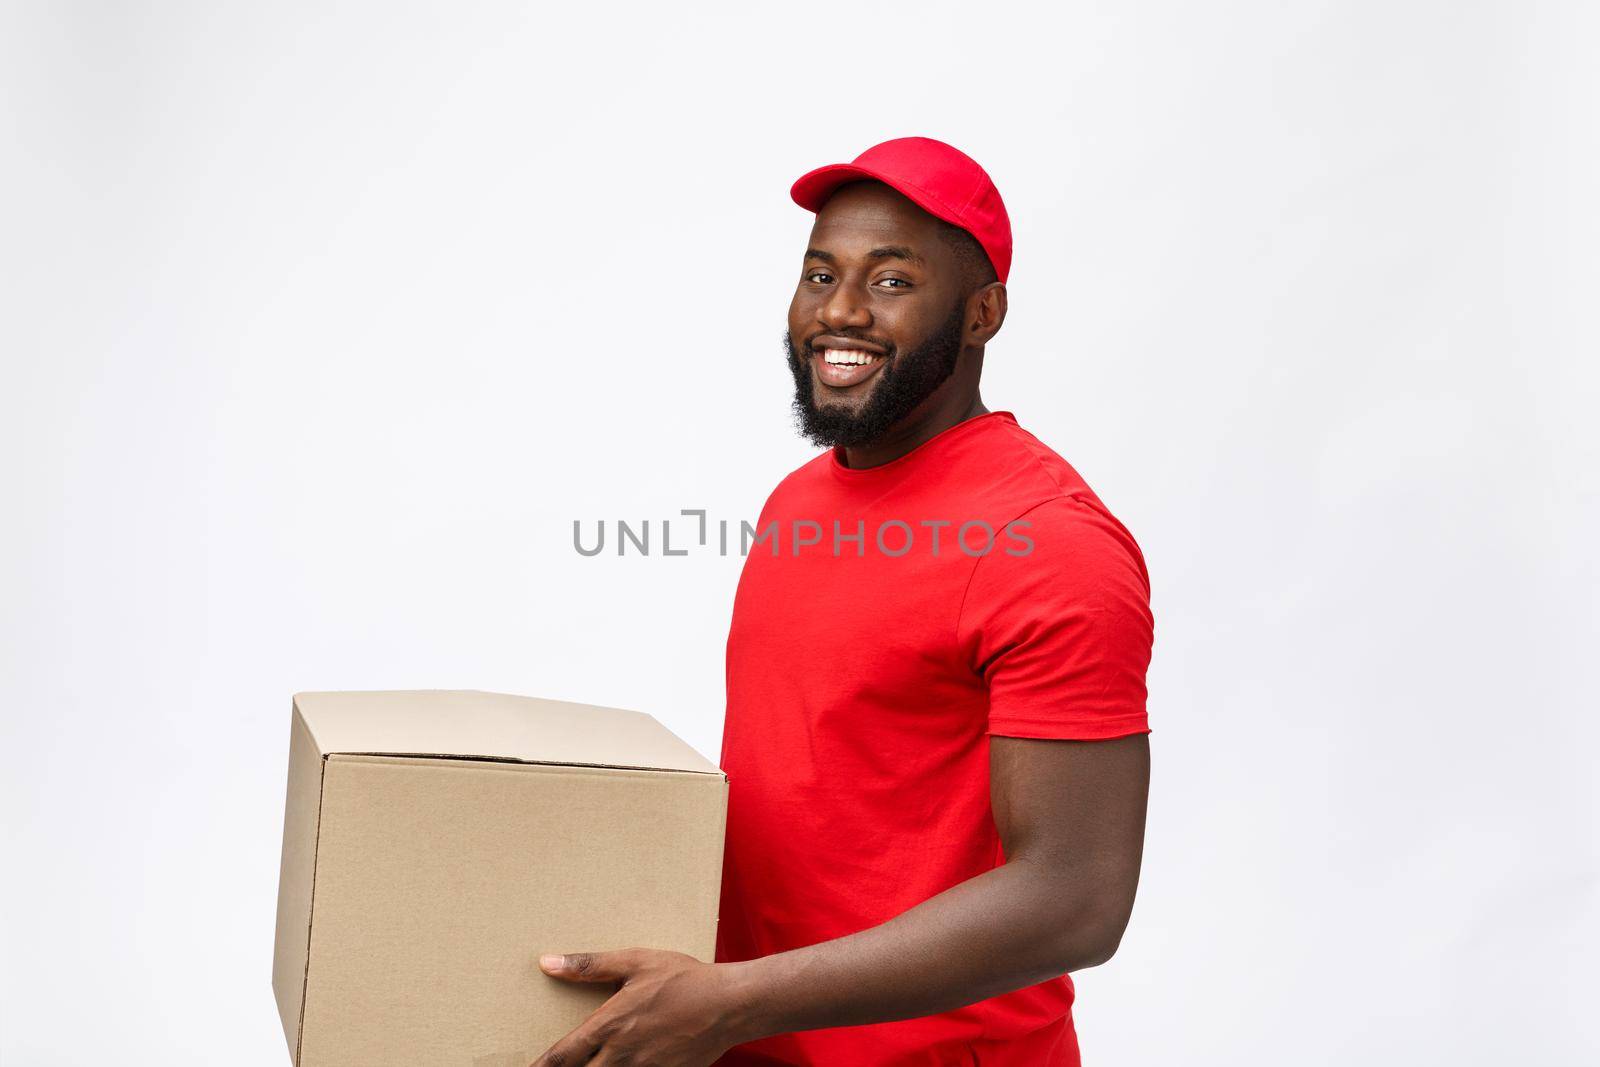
[(320, 326)]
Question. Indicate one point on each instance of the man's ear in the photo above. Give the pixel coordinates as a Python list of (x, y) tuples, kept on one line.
[(986, 313)]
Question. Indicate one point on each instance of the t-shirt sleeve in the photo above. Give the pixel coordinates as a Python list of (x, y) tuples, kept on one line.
[(1056, 621)]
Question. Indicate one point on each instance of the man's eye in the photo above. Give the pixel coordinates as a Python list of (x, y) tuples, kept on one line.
[(894, 283), (821, 277)]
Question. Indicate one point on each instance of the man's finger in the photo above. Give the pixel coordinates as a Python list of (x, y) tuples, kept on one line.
[(577, 1047), (588, 966)]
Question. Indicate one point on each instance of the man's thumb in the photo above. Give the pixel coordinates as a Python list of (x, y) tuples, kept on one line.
[(585, 966)]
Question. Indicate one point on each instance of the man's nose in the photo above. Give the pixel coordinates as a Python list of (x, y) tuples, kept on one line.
[(845, 308)]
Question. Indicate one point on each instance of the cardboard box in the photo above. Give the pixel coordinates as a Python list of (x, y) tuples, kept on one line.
[(435, 843)]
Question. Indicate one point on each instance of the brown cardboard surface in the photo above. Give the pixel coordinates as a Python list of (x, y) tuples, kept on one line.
[(298, 867), (417, 892), (453, 722)]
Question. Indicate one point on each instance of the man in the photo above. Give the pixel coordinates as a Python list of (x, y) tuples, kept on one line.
[(936, 732)]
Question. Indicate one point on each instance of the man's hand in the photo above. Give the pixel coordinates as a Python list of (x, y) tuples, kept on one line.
[(671, 1010)]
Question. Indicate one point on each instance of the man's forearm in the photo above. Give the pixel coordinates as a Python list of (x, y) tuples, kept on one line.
[(1008, 928)]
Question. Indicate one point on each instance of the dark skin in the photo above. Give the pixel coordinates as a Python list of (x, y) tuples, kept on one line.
[(1070, 814), (876, 264)]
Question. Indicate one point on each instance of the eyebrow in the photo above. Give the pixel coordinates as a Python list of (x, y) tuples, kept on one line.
[(884, 252)]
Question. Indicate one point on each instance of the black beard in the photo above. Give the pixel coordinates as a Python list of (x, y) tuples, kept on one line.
[(903, 383)]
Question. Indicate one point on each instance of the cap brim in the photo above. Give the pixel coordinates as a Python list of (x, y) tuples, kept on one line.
[(814, 188)]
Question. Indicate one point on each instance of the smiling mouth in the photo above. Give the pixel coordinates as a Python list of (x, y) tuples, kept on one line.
[(842, 368)]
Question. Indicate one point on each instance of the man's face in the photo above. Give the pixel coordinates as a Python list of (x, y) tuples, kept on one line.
[(875, 326)]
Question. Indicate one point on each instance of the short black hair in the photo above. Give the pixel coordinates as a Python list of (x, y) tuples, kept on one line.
[(976, 268)]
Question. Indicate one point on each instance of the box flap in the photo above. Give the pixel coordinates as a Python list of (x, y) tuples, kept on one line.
[(475, 725)]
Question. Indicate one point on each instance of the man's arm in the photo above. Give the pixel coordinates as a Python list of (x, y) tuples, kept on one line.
[(1071, 818)]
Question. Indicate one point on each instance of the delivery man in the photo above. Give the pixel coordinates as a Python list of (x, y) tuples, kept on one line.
[(936, 731)]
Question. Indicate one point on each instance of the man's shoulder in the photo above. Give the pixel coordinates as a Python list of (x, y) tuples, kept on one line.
[(801, 481), (998, 468), (1022, 472)]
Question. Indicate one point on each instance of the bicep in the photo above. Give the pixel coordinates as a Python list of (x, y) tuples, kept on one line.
[(1076, 810)]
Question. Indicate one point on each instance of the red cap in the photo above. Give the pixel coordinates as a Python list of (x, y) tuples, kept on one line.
[(943, 181)]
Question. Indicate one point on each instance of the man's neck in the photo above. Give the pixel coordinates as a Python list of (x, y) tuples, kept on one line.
[(914, 431)]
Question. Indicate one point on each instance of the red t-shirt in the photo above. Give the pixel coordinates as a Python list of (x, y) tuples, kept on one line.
[(866, 669)]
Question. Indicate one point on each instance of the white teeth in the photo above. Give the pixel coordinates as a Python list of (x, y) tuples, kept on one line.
[(847, 355)]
